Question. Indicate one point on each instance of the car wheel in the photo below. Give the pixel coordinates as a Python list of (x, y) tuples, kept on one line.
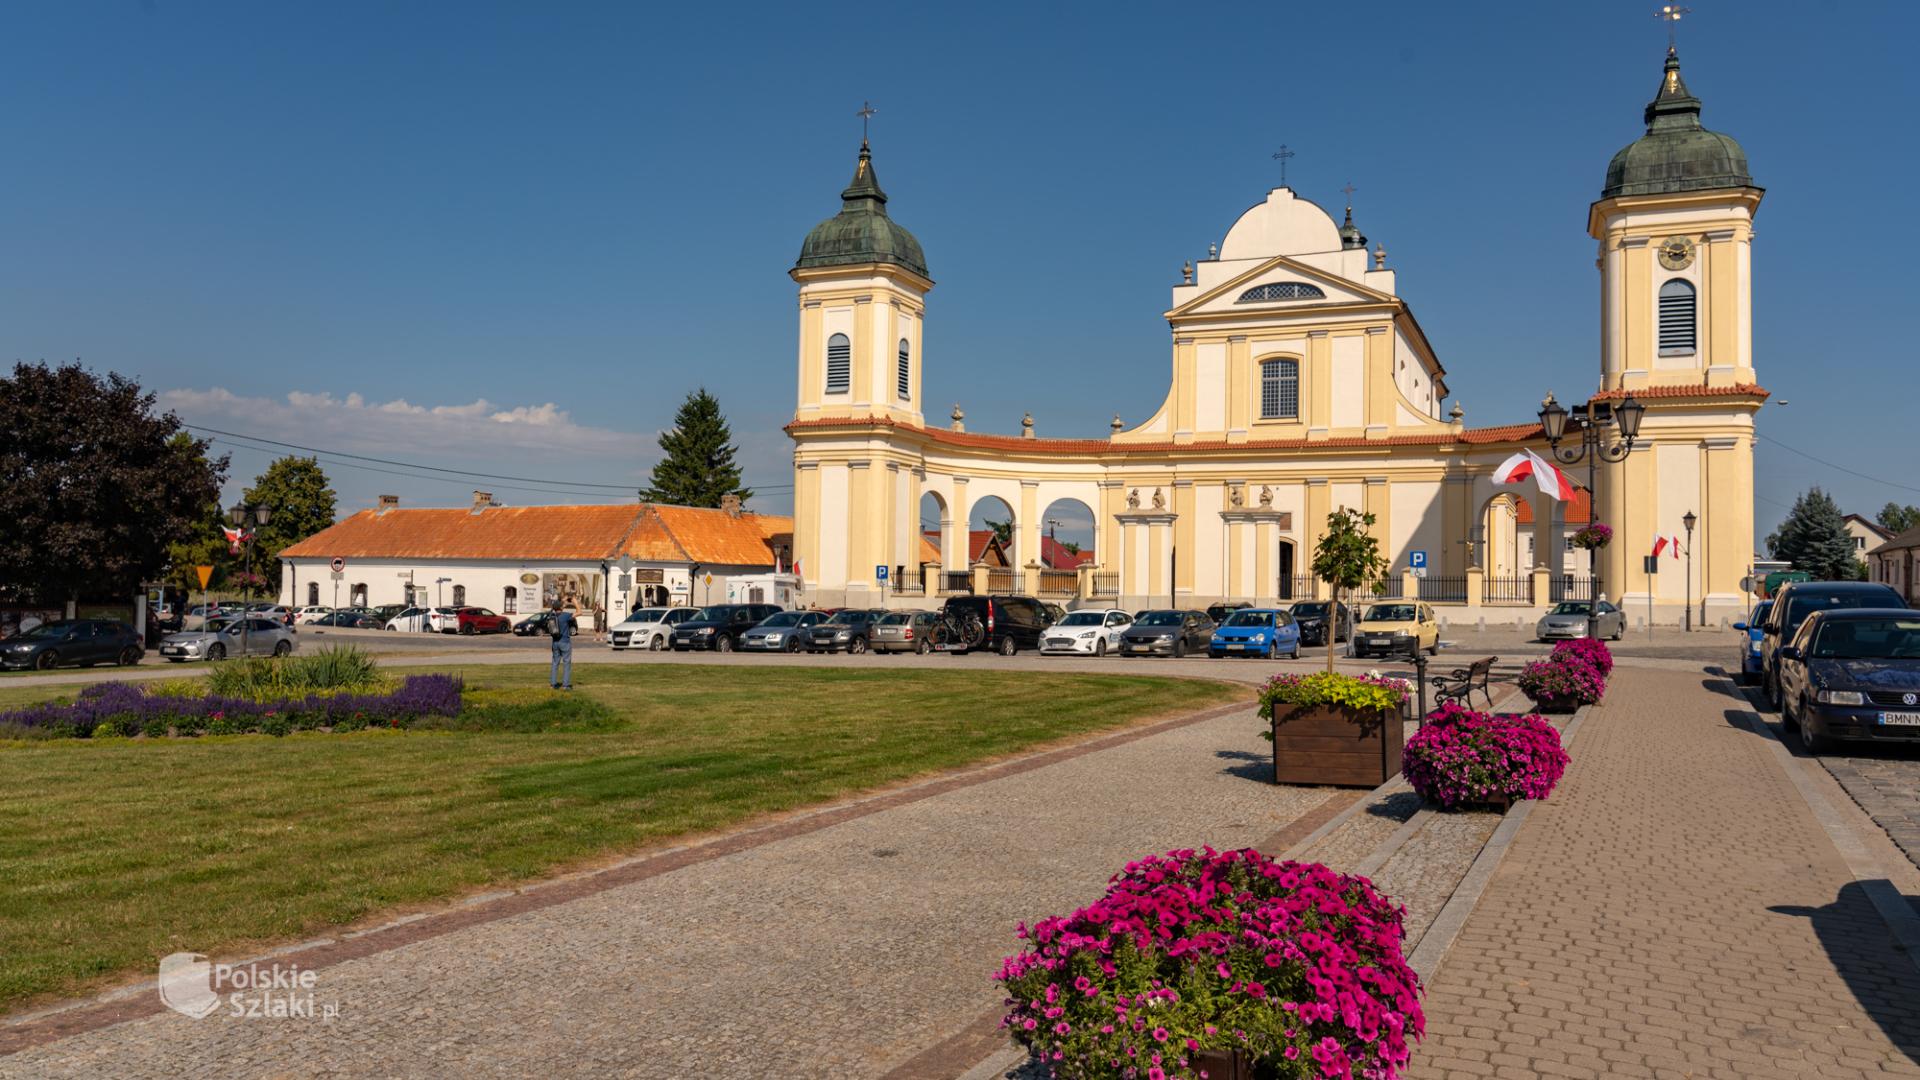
[(129, 656), (1812, 741), (216, 652), (856, 646), (1100, 647), (466, 628), (723, 644), (47, 661), (1007, 646), (920, 647), (1179, 648), (659, 642), (282, 648), (793, 644), (1295, 654)]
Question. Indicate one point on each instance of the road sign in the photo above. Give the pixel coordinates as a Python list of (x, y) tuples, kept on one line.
[(339, 564), (206, 574), (338, 574), (709, 579), (1418, 571), (1417, 560), (879, 573)]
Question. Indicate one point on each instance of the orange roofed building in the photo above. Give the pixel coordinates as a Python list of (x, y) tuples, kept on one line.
[(518, 559)]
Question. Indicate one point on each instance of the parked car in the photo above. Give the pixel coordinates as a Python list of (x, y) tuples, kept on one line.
[(1219, 612), (479, 620), (1313, 619), (1263, 632), (351, 620), (72, 641), (1750, 635), (1088, 632), (1053, 612), (279, 613), (234, 635), (849, 630), (1166, 633), (1396, 628), (443, 620), (1852, 674), (784, 631), (307, 615), (387, 611), (719, 626), (410, 620), (1798, 599), (648, 628), (1568, 619), (903, 631), (1011, 623)]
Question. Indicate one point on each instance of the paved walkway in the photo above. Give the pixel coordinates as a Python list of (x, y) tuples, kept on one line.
[(1675, 910)]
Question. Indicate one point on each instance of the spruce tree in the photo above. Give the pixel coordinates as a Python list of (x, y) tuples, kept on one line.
[(698, 467), (1814, 538)]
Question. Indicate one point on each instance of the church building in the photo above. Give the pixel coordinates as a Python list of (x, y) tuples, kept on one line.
[(1302, 383)]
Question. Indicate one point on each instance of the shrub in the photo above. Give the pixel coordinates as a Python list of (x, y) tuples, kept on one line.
[(1460, 757), (1590, 651), (1292, 963), (128, 710), (341, 667)]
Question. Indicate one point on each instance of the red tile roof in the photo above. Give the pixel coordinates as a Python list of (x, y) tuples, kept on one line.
[(553, 533), (1578, 508), (1688, 390), (1055, 555)]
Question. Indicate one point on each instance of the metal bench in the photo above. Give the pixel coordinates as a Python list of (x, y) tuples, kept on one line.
[(1461, 683)]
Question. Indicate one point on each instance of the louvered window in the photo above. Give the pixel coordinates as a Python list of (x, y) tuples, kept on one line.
[(905, 374), (1280, 390), (1676, 318), (839, 364), (1281, 290)]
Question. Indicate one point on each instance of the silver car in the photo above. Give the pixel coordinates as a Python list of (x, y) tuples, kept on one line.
[(904, 631), (1568, 619), (231, 636), (782, 632)]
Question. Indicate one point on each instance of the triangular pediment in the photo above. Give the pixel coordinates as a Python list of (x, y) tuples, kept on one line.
[(1281, 271)]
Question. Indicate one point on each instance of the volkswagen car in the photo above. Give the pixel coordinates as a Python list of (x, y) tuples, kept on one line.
[(903, 631), (782, 632), (1092, 632), (648, 628), (1262, 632), (849, 631), (1852, 674)]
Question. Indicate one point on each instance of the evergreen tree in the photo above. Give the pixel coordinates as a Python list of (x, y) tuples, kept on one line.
[(699, 467), (295, 490), (1898, 519), (1814, 538)]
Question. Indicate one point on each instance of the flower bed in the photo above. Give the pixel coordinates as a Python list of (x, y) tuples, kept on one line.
[(1370, 692), (1463, 758), (1590, 651), (1295, 966), (1574, 674), (107, 709)]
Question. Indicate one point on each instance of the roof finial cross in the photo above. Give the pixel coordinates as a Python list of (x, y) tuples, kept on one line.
[(1349, 190), (1282, 155), (1670, 14), (865, 114)]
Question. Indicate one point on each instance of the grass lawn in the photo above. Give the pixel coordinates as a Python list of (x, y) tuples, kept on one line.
[(117, 852)]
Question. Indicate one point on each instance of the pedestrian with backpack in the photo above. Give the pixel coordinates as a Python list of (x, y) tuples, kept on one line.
[(561, 627)]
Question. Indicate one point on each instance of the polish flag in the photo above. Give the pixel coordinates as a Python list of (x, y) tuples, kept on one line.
[(1551, 481), (1666, 544)]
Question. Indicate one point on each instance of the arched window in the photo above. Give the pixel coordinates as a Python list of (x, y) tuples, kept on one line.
[(459, 596), (510, 603), (1280, 390), (1281, 290), (313, 594), (357, 594), (839, 364), (1676, 318), (906, 370)]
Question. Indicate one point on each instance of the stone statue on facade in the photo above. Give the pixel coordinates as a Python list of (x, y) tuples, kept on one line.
[(1236, 498), (1159, 499), (1266, 497), (1133, 499)]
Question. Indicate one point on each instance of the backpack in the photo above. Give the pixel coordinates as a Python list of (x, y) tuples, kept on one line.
[(556, 626)]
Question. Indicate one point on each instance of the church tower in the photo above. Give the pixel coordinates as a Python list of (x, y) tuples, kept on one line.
[(1674, 223)]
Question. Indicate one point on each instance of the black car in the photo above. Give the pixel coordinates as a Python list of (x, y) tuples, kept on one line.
[(1852, 674), (847, 630), (1167, 633), (1219, 612), (1312, 617), (1798, 599), (1011, 623), (72, 641), (719, 626), (533, 625)]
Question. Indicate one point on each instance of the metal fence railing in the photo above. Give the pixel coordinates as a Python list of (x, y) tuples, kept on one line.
[(1443, 590), (1297, 587), (1106, 583), (957, 583), (1570, 587), (1003, 580), (906, 579), (1509, 590), (1059, 582), (1381, 588)]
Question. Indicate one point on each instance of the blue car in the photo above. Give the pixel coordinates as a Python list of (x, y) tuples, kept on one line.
[(1751, 632), (1265, 632)]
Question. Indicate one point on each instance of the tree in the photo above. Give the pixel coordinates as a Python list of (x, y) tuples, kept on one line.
[(1897, 519), (202, 544), (295, 490), (1814, 538), (698, 468), (1002, 530), (98, 485), (1345, 558)]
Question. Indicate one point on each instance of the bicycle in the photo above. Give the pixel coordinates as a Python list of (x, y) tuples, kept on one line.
[(958, 632)]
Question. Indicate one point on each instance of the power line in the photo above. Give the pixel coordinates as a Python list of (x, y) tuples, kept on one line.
[(415, 476), (1831, 465)]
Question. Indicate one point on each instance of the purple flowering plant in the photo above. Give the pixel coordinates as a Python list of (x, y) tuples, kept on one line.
[(1590, 651), (1596, 535), (1557, 684), (1293, 964), (1460, 757), (106, 709)]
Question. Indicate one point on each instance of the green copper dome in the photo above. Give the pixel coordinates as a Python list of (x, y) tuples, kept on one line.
[(1676, 153), (862, 232)]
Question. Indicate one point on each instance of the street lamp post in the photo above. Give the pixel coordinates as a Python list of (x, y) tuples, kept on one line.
[(1689, 521), (1591, 420), (243, 515)]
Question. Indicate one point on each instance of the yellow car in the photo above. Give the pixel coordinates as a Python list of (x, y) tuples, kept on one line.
[(1396, 628)]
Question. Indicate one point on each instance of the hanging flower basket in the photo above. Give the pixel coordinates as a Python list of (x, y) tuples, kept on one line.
[(1597, 535)]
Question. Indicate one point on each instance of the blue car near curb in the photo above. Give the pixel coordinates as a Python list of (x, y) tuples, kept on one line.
[(1751, 632), (1263, 632)]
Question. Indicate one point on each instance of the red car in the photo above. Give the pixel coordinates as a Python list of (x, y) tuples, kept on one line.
[(478, 620)]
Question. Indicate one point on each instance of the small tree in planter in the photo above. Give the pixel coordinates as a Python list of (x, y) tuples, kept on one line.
[(1345, 558), (1464, 758)]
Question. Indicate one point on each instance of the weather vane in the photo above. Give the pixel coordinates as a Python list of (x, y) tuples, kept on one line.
[(1281, 156), (865, 114), (1670, 14)]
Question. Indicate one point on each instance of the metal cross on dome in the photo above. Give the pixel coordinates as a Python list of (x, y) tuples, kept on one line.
[(865, 114), (1670, 14), (1282, 155), (1349, 190)]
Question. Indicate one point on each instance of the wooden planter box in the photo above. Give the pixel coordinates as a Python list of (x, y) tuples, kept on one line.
[(1329, 744)]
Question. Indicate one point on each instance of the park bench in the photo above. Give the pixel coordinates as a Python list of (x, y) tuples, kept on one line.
[(1461, 683)]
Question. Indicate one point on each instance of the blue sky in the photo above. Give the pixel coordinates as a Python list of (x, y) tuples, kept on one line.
[(509, 238)]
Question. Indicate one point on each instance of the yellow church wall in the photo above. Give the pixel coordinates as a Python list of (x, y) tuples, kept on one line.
[(1320, 360), (1240, 387)]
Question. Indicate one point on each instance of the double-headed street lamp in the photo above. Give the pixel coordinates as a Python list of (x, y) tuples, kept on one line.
[(243, 515), (1592, 420)]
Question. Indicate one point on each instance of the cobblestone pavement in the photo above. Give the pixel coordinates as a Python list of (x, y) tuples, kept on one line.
[(1674, 910), (1885, 782), (838, 952)]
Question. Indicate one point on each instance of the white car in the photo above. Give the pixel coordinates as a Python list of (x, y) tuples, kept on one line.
[(649, 628), (443, 620), (411, 620), (1090, 632), (307, 615)]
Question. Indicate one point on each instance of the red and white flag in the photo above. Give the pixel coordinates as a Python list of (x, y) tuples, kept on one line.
[(236, 537), (1551, 481), (1667, 544)]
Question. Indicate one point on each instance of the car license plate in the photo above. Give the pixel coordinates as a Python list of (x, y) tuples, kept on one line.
[(1235, 645), (1903, 719)]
